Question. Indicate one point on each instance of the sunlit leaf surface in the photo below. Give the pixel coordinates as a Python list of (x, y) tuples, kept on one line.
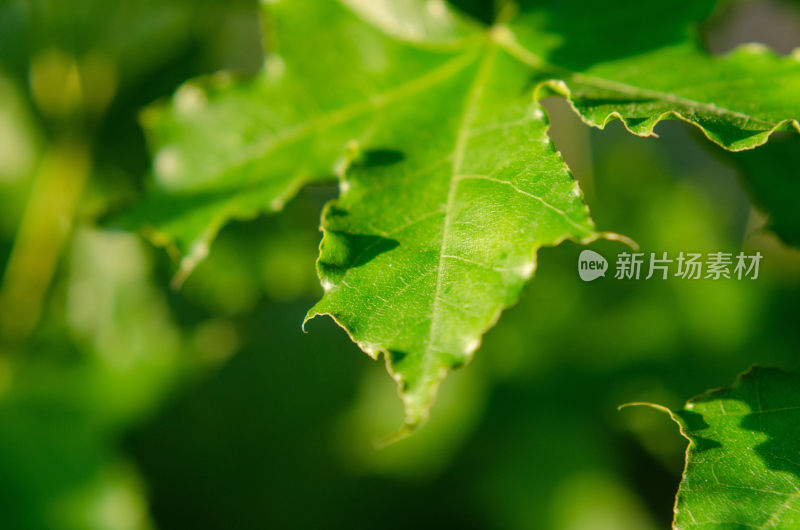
[(432, 124), (742, 466)]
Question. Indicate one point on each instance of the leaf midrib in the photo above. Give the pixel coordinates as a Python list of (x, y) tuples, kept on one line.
[(459, 151)]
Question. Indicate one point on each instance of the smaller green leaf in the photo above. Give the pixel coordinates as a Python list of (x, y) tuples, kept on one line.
[(737, 100), (743, 460)]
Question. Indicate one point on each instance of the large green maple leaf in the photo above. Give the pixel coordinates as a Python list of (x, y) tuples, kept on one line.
[(432, 123)]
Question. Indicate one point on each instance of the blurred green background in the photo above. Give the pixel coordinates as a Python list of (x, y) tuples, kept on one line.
[(127, 405)]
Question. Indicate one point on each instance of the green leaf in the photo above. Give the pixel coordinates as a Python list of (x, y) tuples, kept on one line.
[(737, 100), (428, 244), (743, 460), (230, 150), (649, 73), (449, 183)]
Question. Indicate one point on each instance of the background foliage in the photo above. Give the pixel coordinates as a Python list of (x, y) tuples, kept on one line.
[(126, 404)]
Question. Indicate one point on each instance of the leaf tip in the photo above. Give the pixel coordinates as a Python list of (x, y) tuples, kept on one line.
[(198, 253), (416, 415), (400, 434)]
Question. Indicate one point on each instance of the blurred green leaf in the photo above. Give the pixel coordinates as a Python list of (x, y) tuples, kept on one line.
[(742, 468)]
